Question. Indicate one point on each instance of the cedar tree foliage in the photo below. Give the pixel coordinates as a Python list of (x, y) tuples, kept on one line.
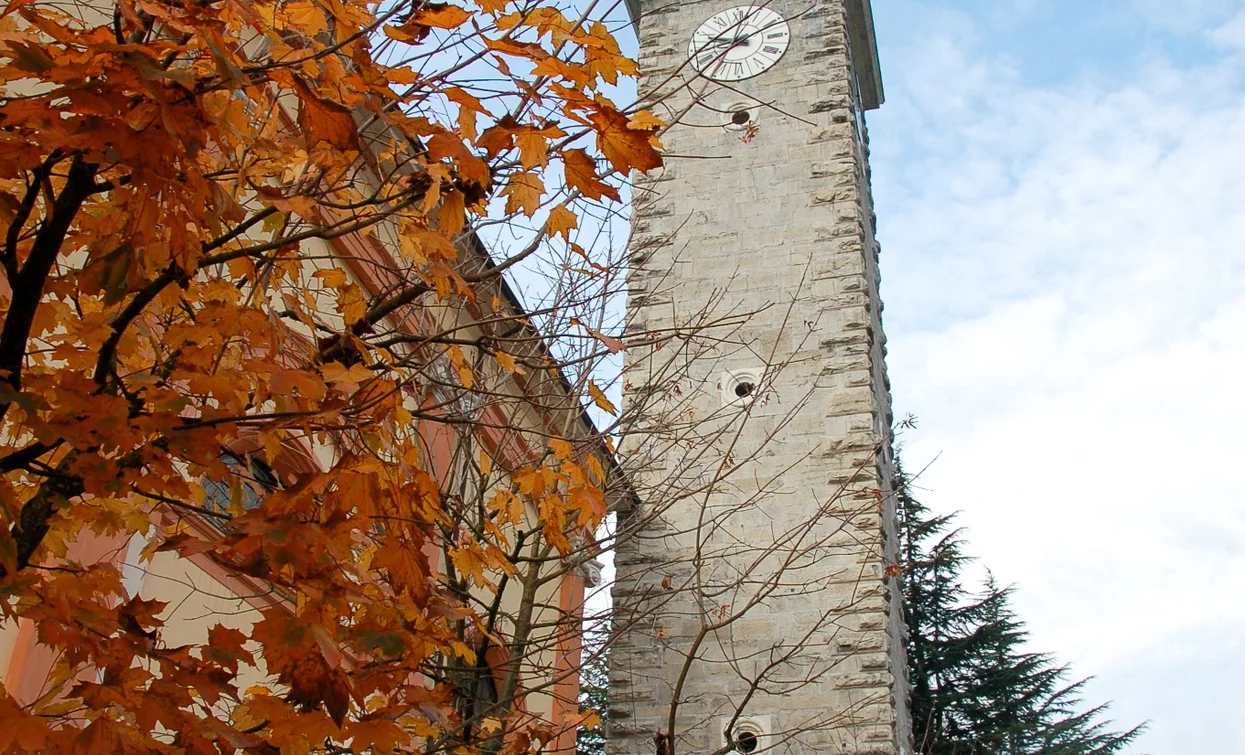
[(975, 689)]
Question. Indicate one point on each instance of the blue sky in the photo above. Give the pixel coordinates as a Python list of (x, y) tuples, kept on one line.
[(1060, 189)]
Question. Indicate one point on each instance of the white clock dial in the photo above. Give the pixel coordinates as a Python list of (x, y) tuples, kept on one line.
[(739, 43)]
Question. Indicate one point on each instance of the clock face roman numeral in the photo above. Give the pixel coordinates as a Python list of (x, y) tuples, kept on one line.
[(739, 43)]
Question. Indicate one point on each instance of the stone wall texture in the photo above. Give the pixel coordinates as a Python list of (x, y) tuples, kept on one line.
[(780, 225)]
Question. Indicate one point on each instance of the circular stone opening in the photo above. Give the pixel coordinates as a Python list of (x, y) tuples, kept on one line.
[(744, 389), (740, 117), (746, 742)]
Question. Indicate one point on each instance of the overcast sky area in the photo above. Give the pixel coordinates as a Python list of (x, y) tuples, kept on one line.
[(1061, 202)]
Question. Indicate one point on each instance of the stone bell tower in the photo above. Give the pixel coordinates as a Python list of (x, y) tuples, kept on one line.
[(757, 605)]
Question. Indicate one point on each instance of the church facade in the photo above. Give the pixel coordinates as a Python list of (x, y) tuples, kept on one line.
[(757, 603)]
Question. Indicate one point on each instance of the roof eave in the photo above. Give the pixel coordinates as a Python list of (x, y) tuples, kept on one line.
[(865, 53)]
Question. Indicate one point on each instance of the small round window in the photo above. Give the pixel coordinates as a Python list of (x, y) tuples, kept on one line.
[(747, 742), (740, 386), (740, 116)]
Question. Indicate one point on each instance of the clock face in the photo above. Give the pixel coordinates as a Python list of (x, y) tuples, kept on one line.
[(739, 43)]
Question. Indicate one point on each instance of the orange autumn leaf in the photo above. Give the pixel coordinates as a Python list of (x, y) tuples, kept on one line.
[(644, 120), (306, 17), (533, 147), (625, 146), (523, 193), (441, 16), (613, 344), (598, 398), (429, 16), (561, 222), (581, 175), (323, 120), (256, 329), (508, 363)]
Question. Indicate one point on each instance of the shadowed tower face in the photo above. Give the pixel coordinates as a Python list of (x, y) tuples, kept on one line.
[(757, 609)]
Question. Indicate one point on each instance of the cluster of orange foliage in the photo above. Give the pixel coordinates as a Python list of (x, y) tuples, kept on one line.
[(165, 169)]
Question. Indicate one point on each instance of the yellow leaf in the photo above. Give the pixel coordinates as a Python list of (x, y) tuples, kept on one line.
[(533, 148), (598, 398), (507, 506), (332, 277), (645, 121), (523, 193), (466, 375), (486, 463), (468, 107), (562, 450), (351, 303), (57, 709), (442, 16), (509, 363), (270, 440), (589, 719), (365, 558), (470, 561), (453, 214), (561, 221), (305, 17), (422, 244), (463, 650)]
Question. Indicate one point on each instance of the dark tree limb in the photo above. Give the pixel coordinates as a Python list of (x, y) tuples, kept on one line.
[(28, 285)]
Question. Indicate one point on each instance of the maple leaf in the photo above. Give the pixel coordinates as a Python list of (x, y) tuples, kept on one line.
[(29, 57), (508, 363), (523, 193), (30, 733), (613, 344), (428, 16), (324, 120), (589, 719), (598, 398), (624, 145), (508, 506), (561, 221), (581, 175), (231, 200), (226, 647), (472, 562), (306, 17), (533, 147)]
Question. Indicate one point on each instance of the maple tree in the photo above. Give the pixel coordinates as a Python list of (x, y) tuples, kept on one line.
[(248, 320)]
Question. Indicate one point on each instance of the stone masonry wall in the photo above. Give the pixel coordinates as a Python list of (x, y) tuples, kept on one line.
[(780, 224)]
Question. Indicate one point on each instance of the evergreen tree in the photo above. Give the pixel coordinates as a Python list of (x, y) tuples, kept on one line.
[(976, 690), (594, 682)]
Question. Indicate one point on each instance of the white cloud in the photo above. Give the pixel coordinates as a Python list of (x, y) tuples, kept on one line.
[(1186, 16), (1230, 34), (1064, 271)]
